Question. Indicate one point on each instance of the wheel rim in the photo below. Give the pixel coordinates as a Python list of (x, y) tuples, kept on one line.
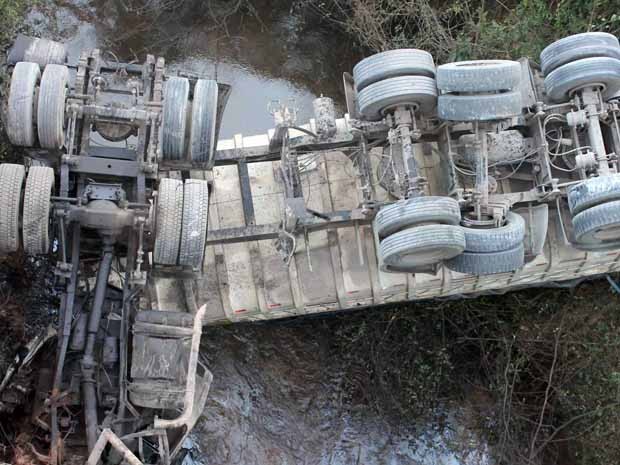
[(602, 235), (417, 258)]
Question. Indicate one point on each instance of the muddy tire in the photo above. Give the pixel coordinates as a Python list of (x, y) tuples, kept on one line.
[(21, 104), (578, 46), (169, 213), (598, 226), (593, 191), (479, 263), (51, 109), (479, 76), (393, 63), (43, 52), (195, 218), (37, 205), (587, 71), (11, 181), (204, 120), (506, 237), (420, 246), (484, 107), (418, 91), (176, 93), (407, 213)]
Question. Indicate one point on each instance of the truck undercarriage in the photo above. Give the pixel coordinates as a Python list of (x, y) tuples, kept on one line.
[(439, 181)]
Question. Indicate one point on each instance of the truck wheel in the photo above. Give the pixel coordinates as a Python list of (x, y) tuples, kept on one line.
[(174, 117), (36, 216), (587, 71), (51, 109), (483, 107), (598, 226), (479, 76), (20, 117), (40, 51), (419, 91), (593, 191), (393, 63), (481, 263), (11, 180), (508, 236), (169, 211), (204, 120), (407, 213), (576, 47), (195, 218), (421, 245)]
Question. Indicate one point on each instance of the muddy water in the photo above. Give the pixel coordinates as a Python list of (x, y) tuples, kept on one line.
[(267, 50), (278, 395)]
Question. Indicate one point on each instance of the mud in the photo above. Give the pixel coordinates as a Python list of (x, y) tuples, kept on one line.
[(280, 397), (27, 303)]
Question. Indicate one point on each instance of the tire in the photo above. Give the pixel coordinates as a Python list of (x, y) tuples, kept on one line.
[(598, 226), (176, 94), (593, 191), (11, 181), (576, 47), (560, 82), (195, 218), (168, 223), (21, 104), (51, 109), (36, 216), (419, 91), (407, 213), (393, 63), (505, 237), (479, 76), (422, 245), (204, 120), (484, 107), (43, 52), (479, 263)]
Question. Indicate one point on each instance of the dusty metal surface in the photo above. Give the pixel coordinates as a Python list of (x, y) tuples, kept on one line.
[(344, 271)]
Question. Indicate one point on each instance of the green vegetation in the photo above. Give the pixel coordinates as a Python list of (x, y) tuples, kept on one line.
[(538, 371), (469, 29), (11, 14)]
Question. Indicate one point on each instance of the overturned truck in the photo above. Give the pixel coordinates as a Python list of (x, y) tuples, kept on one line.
[(469, 177)]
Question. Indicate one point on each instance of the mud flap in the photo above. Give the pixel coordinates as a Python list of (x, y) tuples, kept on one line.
[(536, 222), (350, 96)]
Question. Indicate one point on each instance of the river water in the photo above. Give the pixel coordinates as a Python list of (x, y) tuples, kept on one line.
[(266, 50), (279, 395)]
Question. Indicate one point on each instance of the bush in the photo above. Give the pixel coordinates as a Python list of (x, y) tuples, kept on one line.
[(472, 29), (539, 368), (12, 12)]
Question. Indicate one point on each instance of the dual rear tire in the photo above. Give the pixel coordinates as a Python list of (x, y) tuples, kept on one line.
[(418, 232), (492, 250), (182, 211), (188, 128), (29, 116), (581, 60), (595, 207), (483, 90), (403, 77), (32, 208)]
